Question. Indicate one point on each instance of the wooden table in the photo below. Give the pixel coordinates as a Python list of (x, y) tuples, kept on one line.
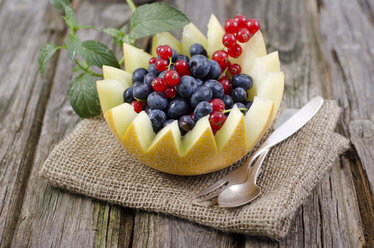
[(326, 48)]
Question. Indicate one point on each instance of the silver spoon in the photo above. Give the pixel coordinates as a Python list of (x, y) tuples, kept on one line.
[(240, 194)]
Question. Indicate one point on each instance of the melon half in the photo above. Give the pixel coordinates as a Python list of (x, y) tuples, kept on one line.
[(199, 151)]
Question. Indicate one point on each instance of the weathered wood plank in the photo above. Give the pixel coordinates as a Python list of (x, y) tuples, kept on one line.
[(25, 26), (347, 29), (49, 216)]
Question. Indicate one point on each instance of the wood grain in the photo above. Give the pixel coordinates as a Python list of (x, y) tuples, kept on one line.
[(325, 48)]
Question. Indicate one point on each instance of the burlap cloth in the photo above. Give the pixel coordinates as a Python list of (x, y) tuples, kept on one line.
[(92, 162)]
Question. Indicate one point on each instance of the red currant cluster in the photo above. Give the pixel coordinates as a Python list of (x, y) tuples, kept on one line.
[(237, 29)]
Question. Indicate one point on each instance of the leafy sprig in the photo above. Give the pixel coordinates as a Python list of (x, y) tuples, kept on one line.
[(146, 20)]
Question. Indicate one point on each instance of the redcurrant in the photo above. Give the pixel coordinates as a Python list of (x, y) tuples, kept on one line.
[(253, 25), (217, 104), (231, 26), (171, 78), (158, 84), (181, 66), (243, 35), (164, 51), (138, 106), (170, 92), (221, 57), (235, 69), (216, 120), (235, 51), (162, 64), (241, 20), (229, 40), (226, 85), (152, 60)]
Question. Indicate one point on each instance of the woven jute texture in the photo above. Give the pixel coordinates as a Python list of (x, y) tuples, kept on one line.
[(92, 162)]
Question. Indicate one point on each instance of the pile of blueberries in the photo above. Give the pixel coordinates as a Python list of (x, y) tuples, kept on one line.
[(175, 87)]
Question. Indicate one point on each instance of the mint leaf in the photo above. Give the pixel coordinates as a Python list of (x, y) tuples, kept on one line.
[(98, 54), (60, 4), (46, 52), (117, 35), (83, 96), (74, 45), (150, 19), (70, 17)]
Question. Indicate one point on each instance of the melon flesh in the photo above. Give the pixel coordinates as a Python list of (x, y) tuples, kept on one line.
[(165, 38), (215, 34), (134, 58), (270, 86), (257, 119), (192, 35), (229, 128), (119, 118), (252, 49), (110, 93), (123, 77)]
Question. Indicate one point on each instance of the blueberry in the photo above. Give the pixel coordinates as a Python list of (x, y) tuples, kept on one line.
[(174, 56), (141, 91), (242, 80), (216, 87), (134, 84), (152, 68), (202, 109), (199, 66), (147, 109), (149, 78), (180, 56), (215, 70), (239, 95), (162, 74), (248, 104), (203, 93), (168, 122), (186, 123), (187, 86), (138, 74), (177, 107), (197, 49), (157, 100), (199, 82), (172, 67), (228, 101), (242, 107), (127, 95), (158, 118)]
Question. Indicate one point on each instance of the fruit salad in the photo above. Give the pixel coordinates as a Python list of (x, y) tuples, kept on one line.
[(195, 106)]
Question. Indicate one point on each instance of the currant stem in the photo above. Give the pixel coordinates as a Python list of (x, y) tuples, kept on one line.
[(87, 69), (229, 110), (131, 4)]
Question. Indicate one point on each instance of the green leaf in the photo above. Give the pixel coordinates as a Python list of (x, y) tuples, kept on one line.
[(98, 54), (83, 96), (46, 52), (150, 19), (117, 35), (74, 45), (70, 17), (60, 4)]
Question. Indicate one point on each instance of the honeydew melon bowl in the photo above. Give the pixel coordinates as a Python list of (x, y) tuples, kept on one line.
[(199, 151)]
